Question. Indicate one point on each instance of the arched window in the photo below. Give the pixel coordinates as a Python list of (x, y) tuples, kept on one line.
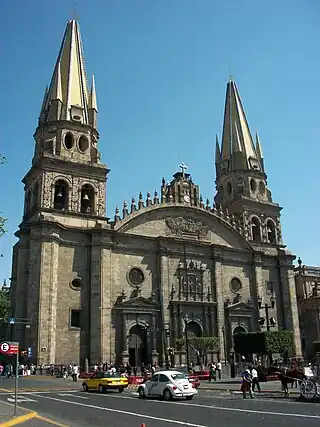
[(255, 229), (27, 204), (193, 330), (87, 199), (271, 232), (35, 195), (61, 192)]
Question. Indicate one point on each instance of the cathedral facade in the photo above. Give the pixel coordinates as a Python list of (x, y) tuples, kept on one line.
[(126, 289)]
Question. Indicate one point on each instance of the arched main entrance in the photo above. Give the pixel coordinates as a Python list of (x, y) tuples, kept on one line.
[(193, 331), (138, 346), (238, 331)]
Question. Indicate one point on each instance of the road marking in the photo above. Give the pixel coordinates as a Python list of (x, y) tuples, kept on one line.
[(20, 399), (72, 395), (223, 408), (50, 421), (149, 417)]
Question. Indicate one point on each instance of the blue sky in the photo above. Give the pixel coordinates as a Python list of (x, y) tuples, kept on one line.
[(161, 69)]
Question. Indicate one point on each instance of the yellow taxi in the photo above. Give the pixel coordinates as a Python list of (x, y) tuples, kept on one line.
[(103, 381)]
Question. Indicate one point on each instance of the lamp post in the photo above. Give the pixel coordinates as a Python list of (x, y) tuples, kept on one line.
[(186, 321), (224, 344), (270, 321)]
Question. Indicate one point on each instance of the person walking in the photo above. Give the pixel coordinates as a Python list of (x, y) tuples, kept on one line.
[(247, 383), (255, 380), (218, 370)]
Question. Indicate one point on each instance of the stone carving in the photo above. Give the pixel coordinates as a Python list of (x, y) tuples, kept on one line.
[(180, 226), (47, 191)]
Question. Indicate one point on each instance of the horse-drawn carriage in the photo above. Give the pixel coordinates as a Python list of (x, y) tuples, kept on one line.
[(310, 385)]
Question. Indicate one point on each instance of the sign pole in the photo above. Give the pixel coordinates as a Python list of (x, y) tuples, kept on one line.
[(16, 385)]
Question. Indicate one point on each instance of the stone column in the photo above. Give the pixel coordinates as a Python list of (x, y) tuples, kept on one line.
[(218, 280), (289, 297), (258, 289), (46, 275)]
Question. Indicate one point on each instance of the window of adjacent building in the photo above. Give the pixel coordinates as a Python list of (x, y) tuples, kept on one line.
[(75, 317)]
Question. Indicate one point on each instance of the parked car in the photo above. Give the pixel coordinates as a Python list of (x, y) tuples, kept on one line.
[(168, 385)]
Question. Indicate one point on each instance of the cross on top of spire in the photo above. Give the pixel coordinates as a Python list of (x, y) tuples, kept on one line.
[(183, 168)]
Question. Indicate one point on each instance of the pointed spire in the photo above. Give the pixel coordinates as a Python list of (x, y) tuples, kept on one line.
[(238, 150), (56, 92), (93, 96), (69, 80), (41, 117), (218, 153), (258, 146)]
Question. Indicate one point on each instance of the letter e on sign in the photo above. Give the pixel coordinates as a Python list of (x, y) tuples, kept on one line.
[(4, 347)]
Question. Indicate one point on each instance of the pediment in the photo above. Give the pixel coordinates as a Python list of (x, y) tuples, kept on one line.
[(241, 306), (138, 302), (179, 221)]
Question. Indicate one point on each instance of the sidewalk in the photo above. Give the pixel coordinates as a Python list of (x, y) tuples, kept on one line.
[(234, 384), (6, 415)]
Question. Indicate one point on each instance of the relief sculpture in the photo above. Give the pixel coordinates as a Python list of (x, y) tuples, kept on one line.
[(180, 226)]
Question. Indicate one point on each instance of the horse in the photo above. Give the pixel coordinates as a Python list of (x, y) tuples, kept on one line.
[(289, 376)]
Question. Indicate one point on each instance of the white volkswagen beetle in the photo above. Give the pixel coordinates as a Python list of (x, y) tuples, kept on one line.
[(167, 384)]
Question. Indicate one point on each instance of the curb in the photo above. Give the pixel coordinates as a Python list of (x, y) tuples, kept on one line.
[(19, 420), (233, 390)]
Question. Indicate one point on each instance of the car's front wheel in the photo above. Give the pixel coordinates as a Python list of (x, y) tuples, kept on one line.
[(189, 397), (141, 393), (167, 395), (85, 387), (101, 388)]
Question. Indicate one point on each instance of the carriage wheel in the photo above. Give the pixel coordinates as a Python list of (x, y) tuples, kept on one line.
[(308, 389)]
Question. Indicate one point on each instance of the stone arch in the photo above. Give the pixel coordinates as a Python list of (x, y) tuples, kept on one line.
[(87, 198), (271, 231), (137, 336), (35, 195), (27, 204), (239, 329), (255, 225), (61, 194), (194, 328)]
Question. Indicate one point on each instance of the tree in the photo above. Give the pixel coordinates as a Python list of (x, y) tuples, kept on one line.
[(4, 304), (200, 344), (264, 342)]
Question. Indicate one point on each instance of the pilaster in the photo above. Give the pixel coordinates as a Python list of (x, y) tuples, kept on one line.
[(95, 306), (218, 279), (290, 300)]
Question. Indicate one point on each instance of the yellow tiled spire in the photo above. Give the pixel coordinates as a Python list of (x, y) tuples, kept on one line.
[(69, 81)]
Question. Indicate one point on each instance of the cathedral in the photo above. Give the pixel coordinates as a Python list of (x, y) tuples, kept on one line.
[(168, 265)]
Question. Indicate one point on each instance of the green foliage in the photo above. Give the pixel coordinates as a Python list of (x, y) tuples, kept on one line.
[(201, 344), (4, 304), (264, 342), (316, 346)]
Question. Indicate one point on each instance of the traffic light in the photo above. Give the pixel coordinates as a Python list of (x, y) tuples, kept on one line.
[(170, 351)]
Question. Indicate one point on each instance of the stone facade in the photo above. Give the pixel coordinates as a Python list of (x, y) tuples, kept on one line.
[(307, 281), (119, 290)]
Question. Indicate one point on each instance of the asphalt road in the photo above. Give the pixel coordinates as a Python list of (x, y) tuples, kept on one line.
[(78, 409)]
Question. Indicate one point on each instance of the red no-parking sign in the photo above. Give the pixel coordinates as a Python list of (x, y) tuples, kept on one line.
[(9, 348)]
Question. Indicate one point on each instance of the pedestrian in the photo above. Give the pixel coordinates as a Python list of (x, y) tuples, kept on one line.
[(212, 372), (219, 368), (75, 371), (255, 380), (247, 383)]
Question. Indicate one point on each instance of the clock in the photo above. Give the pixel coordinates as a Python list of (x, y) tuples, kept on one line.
[(186, 198)]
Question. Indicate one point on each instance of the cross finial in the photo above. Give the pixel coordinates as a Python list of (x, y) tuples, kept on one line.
[(74, 14), (183, 168), (231, 76)]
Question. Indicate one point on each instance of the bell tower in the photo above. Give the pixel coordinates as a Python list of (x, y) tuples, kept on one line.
[(241, 180), (67, 175)]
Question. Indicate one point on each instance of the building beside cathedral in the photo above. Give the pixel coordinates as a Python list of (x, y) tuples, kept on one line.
[(108, 290)]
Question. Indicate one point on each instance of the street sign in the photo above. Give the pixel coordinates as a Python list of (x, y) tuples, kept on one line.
[(29, 352), (9, 348), (11, 320), (4, 347)]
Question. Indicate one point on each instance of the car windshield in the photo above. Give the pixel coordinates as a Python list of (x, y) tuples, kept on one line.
[(110, 375), (178, 377)]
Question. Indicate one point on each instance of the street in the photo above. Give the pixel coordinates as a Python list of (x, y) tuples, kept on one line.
[(72, 407)]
